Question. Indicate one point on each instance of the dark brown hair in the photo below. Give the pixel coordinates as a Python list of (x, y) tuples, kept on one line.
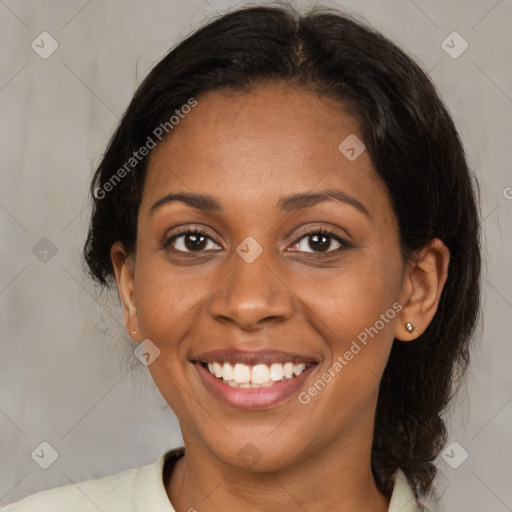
[(414, 147)]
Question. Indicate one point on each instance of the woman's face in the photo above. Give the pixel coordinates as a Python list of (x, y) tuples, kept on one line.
[(263, 284)]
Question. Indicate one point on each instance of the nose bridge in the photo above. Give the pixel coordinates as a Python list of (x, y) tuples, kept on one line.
[(251, 292)]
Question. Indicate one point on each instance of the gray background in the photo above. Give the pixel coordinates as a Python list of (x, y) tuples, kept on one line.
[(67, 372)]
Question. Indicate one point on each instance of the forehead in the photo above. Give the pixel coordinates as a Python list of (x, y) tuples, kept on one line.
[(256, 147)]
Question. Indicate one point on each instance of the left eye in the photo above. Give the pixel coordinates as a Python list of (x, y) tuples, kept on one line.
[(318, 242)]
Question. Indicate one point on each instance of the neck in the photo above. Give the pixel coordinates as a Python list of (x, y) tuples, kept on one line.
[(338, 475)]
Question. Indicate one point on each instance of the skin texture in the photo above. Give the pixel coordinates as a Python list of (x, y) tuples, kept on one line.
[(247, 150)]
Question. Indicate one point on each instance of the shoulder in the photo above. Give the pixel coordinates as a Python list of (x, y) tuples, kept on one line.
[(131, 490), (403, 499)]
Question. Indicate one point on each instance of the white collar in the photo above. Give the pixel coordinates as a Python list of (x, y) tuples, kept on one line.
[(402, 498)]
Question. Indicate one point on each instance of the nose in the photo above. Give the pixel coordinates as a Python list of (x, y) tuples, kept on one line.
[(251, 294)]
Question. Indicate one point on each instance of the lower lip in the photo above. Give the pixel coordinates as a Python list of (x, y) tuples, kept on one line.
[(252, 398)]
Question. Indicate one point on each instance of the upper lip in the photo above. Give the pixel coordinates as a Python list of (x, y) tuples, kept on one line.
[(229, 355)]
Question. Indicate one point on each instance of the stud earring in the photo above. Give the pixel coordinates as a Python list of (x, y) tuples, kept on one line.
[(409, 327), (133, 329)]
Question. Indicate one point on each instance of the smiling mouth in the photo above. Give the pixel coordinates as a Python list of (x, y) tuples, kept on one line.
[(240, 375)]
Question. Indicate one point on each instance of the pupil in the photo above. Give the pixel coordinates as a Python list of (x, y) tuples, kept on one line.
[(193, 242), (322, 242)]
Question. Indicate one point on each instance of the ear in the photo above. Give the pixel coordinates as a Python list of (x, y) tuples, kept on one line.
[(124, 268), (423, 281)]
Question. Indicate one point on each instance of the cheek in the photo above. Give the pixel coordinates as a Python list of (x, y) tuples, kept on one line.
[(348, 300), (166, 298), (166, 304), (355, 310)]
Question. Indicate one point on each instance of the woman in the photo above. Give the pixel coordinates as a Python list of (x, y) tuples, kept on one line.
[(290, 221)]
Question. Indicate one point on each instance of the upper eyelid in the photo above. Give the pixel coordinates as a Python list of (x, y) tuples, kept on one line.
[(190, 229)]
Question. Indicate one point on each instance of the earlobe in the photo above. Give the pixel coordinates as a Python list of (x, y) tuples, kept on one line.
[(124, 269), (422, 285)]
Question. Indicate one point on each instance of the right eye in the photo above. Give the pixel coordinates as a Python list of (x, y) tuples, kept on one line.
[(191, 240)]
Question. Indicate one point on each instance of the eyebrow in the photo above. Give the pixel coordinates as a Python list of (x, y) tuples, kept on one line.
[(199, 201), (286, 203), (306, 200)]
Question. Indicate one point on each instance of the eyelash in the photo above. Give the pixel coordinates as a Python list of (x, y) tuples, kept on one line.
[(315, 231)]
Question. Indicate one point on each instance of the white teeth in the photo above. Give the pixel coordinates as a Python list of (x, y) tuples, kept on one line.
[(298, 368), (241, 374), (227, 372), (233, 384), (217, 370), (260, 375), (276, 372)]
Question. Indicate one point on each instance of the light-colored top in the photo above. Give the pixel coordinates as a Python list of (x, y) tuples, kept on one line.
[(142, 490)]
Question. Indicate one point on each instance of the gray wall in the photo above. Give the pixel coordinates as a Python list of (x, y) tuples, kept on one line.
[(67, 374)]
